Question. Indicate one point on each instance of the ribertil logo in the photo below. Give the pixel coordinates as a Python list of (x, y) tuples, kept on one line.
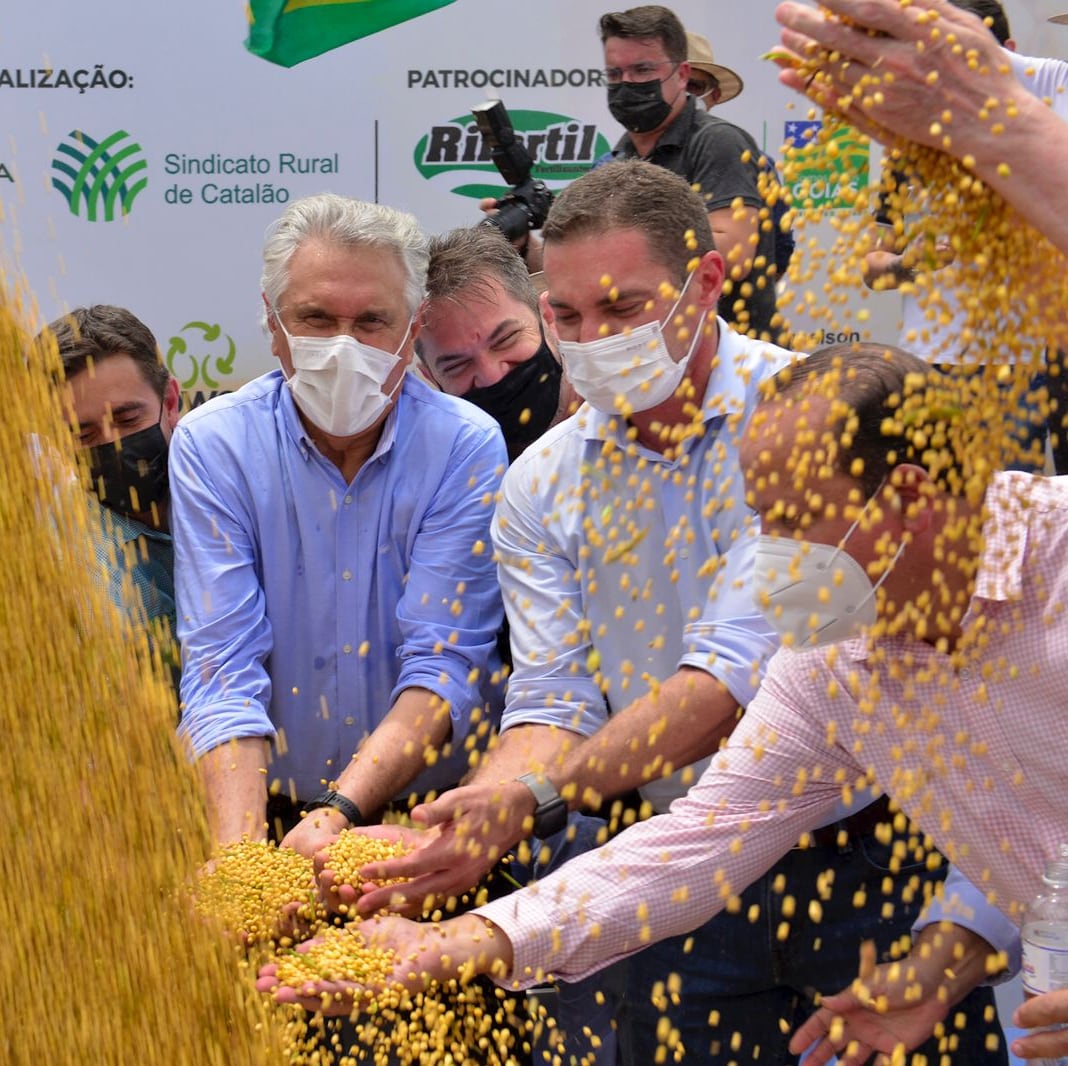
[(562, 149), (100, 180)]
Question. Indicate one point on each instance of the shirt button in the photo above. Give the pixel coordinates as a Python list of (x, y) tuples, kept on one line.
[(348, 498), (346, 574), (964, 674), (349, 720), (347, 649)]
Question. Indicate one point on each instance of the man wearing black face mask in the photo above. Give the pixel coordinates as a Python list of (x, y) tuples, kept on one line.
[(645, 51), (123, 406), (483, 338)]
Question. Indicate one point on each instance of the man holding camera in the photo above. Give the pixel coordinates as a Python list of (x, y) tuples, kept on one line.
[(647, 72)]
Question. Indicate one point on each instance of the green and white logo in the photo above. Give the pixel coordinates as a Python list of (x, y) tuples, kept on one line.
[(562, 148), (99, 178), (201, 357)]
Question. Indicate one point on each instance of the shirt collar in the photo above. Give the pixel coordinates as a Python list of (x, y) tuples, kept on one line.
[(1008, 501), (297, 432), (126, 529), (724, 395)]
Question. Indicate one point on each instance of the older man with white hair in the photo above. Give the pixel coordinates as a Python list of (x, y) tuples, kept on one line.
[(337, 602)]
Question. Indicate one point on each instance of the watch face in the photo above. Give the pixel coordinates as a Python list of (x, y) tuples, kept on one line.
[(550, 817)]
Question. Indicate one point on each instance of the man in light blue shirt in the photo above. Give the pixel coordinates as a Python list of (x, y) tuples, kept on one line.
[(337, 601)]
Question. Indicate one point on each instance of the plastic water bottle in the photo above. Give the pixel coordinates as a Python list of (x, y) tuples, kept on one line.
[(1045, 939)]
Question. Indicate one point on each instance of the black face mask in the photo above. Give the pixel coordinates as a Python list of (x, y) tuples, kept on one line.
[(532, 386), (129, 475), (638, 105)]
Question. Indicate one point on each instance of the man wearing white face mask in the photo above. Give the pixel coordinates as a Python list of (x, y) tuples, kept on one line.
[(336, 599), (952, 699), (626, 561)]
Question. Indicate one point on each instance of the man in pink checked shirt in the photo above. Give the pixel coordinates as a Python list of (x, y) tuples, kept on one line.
[(925, 600)]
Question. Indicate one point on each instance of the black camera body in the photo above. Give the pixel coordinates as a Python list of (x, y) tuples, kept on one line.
[(527, 205)]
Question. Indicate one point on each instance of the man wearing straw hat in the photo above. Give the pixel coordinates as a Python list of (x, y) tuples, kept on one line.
[(709, 82)]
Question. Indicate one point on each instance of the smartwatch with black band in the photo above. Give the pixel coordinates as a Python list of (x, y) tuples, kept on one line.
[(550, 815), (331, 798)]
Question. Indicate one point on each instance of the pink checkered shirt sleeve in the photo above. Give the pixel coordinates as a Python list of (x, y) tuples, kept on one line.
[(778, 778), (973, 747)]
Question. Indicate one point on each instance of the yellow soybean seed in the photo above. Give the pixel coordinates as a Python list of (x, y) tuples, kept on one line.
[(352, 850)]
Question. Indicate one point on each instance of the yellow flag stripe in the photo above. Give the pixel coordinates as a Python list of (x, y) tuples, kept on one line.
[(300, 5)]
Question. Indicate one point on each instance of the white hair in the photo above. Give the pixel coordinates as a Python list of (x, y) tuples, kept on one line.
[(348, 223)]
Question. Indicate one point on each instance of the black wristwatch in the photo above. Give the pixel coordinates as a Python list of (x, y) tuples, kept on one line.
[(331, 798), (550, 815)]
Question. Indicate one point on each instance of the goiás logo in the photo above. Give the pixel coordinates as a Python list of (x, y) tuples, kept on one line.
[(827, 168), (562, 148), (99, 179)]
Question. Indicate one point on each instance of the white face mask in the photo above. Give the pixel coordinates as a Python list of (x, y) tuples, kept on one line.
[(632, 369), (338, 381), (814, 593)]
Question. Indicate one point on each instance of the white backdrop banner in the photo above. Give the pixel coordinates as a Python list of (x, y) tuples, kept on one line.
[(147, 149)]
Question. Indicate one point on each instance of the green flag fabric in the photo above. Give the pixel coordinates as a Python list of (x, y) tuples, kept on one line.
[(289, 31)]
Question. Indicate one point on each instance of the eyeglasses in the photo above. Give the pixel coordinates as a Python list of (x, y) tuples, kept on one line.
[(696, 87), (637, 72)]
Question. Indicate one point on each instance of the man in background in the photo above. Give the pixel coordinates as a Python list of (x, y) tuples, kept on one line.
[(483, 338), (647, 73), (123, 406), (710, 82)]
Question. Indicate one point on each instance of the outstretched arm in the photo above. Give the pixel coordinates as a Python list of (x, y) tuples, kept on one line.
[(897, 65), (461, 948), (898, 1004)]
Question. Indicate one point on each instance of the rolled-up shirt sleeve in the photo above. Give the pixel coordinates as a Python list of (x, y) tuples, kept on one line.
[(552, 682), (731, 640), (222, 622), (961, 903), (450, 611)]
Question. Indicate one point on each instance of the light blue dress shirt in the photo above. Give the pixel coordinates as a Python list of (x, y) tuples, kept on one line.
[(965, 905), (307, 605), (618, 565)]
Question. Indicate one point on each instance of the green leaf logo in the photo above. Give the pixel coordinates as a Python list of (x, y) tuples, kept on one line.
[(100, 179)]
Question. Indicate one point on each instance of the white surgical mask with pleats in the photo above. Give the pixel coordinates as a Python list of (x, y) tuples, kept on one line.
[(815, 593), (338, 382), (635, 368)]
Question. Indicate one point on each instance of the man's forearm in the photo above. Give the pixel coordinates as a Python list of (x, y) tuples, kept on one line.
[(1026, 166), (950, 961), (396, 752), (684, 720), (235, 785), (526, 749)]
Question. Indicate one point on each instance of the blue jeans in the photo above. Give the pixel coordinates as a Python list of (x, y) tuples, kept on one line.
[(579, 1017), (744, 990), (1057, 417)]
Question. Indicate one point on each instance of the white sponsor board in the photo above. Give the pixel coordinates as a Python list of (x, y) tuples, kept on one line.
[(145, 150)]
